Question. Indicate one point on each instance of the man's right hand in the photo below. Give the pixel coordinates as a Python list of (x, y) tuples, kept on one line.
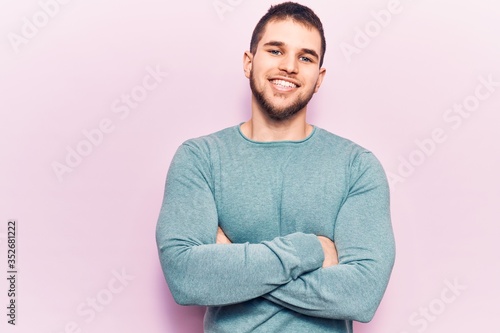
[(221, 237), (330, 251)]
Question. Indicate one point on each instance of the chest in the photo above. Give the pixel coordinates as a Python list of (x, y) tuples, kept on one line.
[(262, 198)]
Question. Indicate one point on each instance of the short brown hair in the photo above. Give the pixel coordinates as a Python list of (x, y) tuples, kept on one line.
[(296, 12)]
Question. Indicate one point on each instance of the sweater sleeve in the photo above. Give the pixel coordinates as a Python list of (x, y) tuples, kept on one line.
[(200, 272), (353, 289)]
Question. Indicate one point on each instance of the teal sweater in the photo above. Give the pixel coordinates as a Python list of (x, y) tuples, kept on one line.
[(272, 199)]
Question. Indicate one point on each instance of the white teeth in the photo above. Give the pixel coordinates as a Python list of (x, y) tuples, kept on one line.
[(284, 83)]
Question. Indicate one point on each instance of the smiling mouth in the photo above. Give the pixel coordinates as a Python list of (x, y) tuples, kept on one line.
[(283, 85)]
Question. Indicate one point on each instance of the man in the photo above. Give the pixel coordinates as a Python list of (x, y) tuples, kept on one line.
[(275, 224)]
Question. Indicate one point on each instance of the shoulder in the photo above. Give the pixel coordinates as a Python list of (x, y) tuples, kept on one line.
[(358, 158), (338, 145), (207, 146), (210, 140)]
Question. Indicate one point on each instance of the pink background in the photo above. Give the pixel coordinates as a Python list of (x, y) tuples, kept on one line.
[(75, 232)]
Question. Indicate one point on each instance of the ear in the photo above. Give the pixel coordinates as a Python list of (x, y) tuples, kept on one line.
[(247, 63), (322, 72)]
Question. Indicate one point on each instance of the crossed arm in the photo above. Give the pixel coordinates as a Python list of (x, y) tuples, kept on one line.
[(298, 271), (329, 250), (199, 271)]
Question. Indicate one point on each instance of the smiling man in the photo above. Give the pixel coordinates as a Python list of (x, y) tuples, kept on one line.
[(277, 225)]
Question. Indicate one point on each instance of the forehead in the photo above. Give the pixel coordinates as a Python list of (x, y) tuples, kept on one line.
[(293, 34)]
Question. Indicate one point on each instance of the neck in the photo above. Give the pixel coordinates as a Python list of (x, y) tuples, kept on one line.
[(262, 128)]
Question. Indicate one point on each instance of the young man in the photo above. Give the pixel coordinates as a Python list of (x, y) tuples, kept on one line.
[(277, 225)]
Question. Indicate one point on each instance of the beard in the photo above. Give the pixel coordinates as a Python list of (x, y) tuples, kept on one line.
[(274, 112)]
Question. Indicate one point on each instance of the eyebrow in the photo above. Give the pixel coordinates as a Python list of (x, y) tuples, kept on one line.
[(304, 50)]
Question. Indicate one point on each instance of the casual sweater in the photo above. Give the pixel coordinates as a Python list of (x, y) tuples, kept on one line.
[(272, 199)]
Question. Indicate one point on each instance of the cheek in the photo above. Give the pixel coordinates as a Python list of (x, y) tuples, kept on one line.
[(313, 80), (259, 77)]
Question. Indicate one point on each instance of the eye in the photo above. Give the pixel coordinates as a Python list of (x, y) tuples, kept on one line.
[(275, 52), (305, 59)]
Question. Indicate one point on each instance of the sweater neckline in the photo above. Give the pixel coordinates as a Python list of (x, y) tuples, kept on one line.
[(274, 143)]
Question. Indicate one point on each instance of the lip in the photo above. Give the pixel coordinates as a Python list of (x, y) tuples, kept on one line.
[(287, 79), (283, 89)]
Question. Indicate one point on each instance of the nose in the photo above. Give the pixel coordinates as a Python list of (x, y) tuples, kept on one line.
[(289, 64)]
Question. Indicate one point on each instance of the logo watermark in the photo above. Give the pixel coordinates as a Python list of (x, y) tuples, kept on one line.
[(89, 309), (222, 7), (94, 137), (364, 36), (454, 117), (31, 27), (421, 319)]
